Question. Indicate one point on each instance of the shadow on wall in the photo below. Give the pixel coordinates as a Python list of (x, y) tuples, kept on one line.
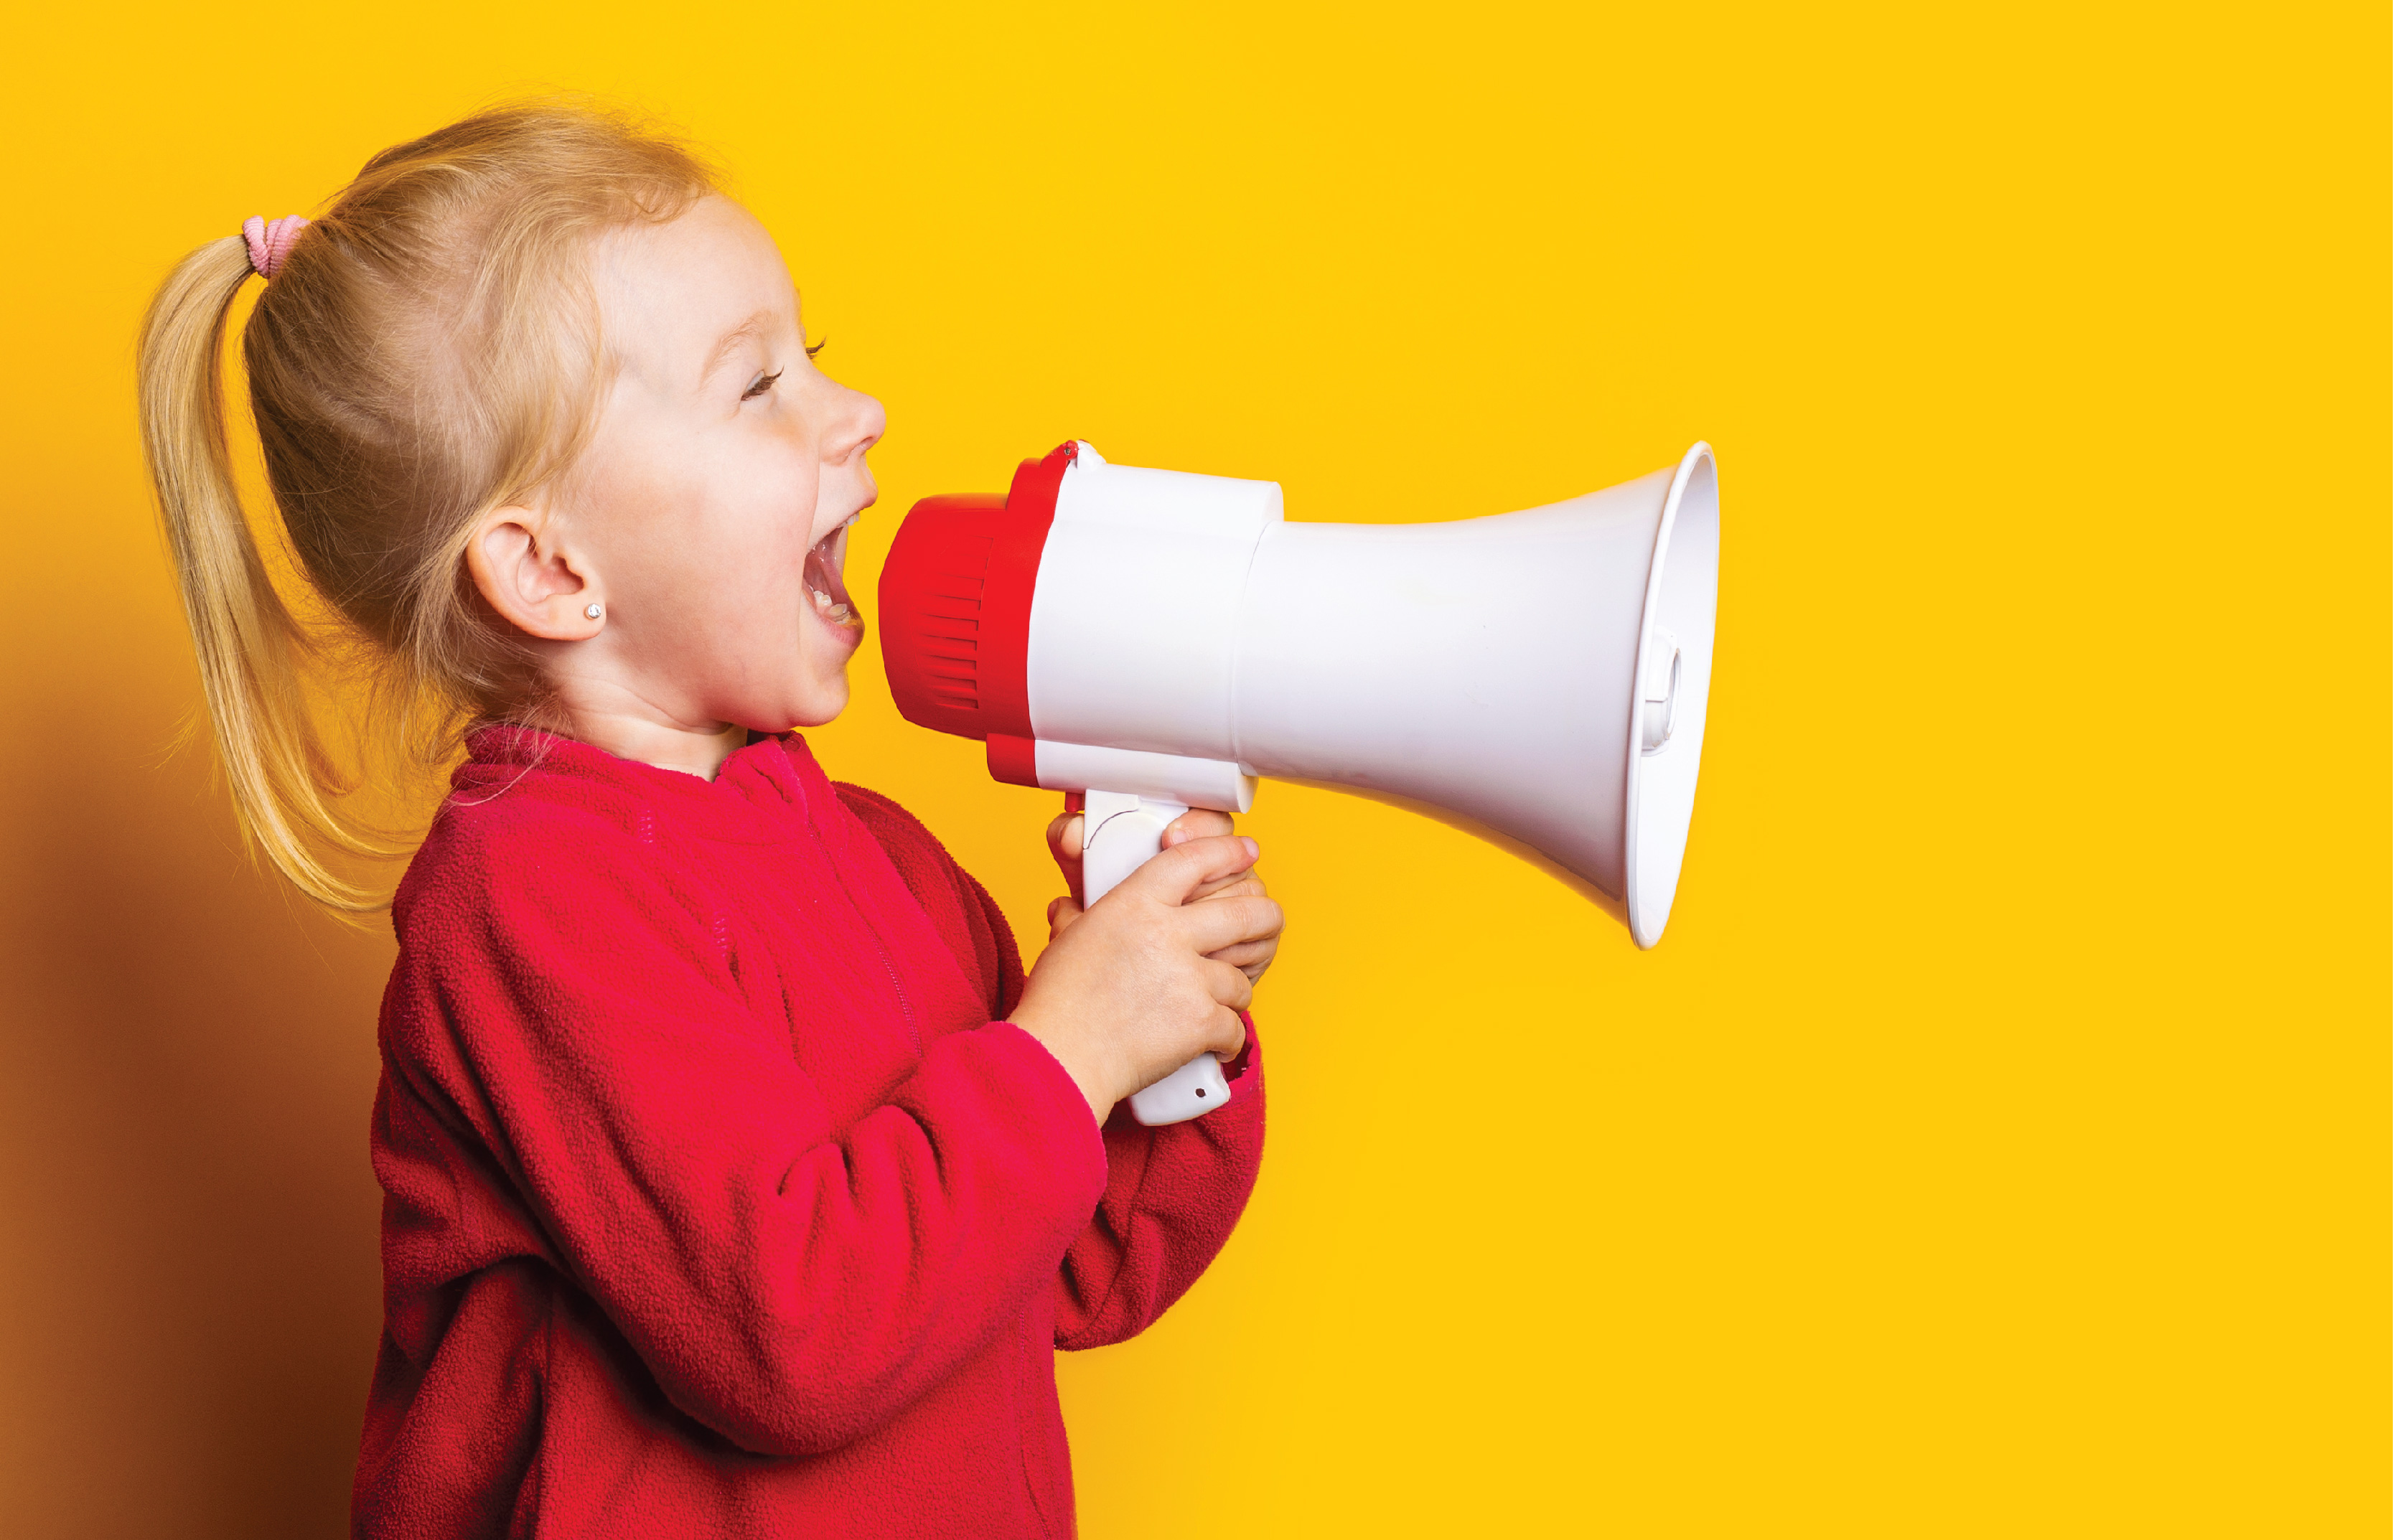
[(189, 1293)]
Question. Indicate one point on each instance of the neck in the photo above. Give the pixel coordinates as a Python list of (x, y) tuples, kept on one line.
[(629, 727)]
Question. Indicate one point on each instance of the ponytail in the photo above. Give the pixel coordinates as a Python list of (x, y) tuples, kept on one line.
[(252, 652)]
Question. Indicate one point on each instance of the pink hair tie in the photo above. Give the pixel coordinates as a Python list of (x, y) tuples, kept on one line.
[(269, 244)]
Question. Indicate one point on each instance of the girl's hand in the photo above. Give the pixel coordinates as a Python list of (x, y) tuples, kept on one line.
[(1065, 838), (1133, 989)]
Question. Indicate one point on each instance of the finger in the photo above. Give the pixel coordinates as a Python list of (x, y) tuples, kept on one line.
[(1228, 1036), (1197, 823), (1219, 922), (1068, 836), (1061, 913), (1248, 955), (1244, 884), (1175, 874), (1229, 985)]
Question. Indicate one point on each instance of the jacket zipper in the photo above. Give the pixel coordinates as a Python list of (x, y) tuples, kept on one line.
[(905, 1006), (880, 948)]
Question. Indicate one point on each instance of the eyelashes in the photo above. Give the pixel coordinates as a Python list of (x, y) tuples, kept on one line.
[(764, 383)]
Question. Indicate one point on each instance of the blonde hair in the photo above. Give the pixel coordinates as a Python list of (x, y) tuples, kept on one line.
[(427, 350)]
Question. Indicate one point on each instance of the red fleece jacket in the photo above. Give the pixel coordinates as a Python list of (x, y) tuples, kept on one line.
[(719, 1198)]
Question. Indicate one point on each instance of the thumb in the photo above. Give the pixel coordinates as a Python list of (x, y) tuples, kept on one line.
[(1174, 876)]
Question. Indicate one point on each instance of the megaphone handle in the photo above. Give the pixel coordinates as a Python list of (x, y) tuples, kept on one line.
[(1123, 832)]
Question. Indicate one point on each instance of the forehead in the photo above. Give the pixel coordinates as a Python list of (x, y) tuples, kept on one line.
[(669, 293)]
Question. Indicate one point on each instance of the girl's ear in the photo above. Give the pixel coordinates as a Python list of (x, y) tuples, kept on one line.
[(524, 572)]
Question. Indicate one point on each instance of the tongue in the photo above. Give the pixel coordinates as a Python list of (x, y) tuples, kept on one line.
[(821, 576)]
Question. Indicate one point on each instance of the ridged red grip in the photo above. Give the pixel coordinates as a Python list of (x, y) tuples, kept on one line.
[(955, 604)]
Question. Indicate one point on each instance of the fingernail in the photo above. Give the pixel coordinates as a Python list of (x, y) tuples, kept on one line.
[(1253, 850)]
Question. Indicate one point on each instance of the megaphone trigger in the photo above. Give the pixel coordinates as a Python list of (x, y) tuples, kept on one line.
[(1123, 832)]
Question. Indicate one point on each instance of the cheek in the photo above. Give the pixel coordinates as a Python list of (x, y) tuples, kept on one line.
[(642, 509), (763, 527), (724, 538), (762, 501)]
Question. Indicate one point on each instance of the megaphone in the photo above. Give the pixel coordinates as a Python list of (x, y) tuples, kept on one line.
[(1153, 641)]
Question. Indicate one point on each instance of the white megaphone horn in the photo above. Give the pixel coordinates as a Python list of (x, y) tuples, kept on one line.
[(1154, 641)]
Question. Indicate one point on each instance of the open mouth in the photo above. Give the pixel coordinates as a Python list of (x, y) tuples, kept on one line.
[(822, 578)]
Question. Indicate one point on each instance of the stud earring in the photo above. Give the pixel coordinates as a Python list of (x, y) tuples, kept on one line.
[(594, 612)]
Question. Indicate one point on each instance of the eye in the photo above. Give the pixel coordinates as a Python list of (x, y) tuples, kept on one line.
[(762, 384)]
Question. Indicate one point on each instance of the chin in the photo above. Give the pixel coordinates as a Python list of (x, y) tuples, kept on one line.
[(821, 703)]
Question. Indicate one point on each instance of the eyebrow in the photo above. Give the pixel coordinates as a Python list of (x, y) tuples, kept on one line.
[(753, 326)]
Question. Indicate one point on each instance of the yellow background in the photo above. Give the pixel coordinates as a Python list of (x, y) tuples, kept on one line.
[(1997, 1144)]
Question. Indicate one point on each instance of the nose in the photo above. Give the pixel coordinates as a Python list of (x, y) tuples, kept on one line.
[(857, 421)]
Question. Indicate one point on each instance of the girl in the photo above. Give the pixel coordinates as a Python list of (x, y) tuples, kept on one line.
[(736, 1182)]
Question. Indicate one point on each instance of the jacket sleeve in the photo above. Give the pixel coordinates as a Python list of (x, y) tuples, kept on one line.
[(1172, 1197), (1172, 1194), (790, 1288)]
